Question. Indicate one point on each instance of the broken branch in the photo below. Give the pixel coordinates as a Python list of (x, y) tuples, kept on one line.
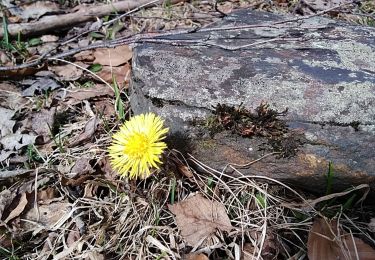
[(85, 14)]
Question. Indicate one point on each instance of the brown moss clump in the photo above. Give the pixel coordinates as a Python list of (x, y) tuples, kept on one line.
[(262, 122)]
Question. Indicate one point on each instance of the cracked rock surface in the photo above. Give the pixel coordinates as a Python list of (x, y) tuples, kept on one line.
[(322, 70)]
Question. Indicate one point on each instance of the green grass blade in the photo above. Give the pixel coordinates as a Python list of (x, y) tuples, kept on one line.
[(173, 190), (5, 31), (329, 178), (261, 200)]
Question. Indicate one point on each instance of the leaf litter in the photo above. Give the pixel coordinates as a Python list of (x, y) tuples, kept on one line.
[(328, 240), (82, 209), (199, 218)]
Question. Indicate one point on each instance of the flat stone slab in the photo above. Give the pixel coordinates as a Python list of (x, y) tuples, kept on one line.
[(322, 70)]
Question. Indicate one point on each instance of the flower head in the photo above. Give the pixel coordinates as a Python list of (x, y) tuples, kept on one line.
[(137, 146)]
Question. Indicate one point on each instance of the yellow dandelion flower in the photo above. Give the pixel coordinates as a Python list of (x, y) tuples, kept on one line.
[(137, 146)]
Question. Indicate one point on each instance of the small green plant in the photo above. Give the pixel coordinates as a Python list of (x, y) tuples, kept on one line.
[(167, 6), (119, 105), (349, 202), (245, 198), (95, 67), (88, 84), (5, 43), (161, 256), (34, 42), (105, 122), (329, 178), (33, 154), (111, 32), (261, 200), (57, 139), (337, 204), (95, 35), (17, 47), (210, 185)]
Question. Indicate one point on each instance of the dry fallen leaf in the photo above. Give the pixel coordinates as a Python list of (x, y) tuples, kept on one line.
[(226, 7), (73, 236), (88, 132), (184, 170), (6, 197), (49, 38), (13, 142), (113, 57), (14, 173), (46, 196), (106, 168), (198, 217), (16, 141), (18, 209), (104, 107), (46, 215), (11, 97), (121, 74), (85, 56), (82, 166), (36, 9), (4, 59), (85, 94), (75, 182), (68, 72), (42, 122), (327, 242), (39, 85), (6, 122)]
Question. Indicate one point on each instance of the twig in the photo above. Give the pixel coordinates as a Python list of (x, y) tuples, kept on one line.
[(54, 22), (235, 48), (242, 166)]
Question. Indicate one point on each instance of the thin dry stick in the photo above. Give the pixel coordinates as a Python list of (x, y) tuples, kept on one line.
[(242, 166), (85, 14), (110, 21)]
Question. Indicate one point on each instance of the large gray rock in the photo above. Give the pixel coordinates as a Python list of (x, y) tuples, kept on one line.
[(323, 71)]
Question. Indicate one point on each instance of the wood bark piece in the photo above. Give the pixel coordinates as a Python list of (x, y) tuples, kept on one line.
[(85, 14), (322, 70)]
